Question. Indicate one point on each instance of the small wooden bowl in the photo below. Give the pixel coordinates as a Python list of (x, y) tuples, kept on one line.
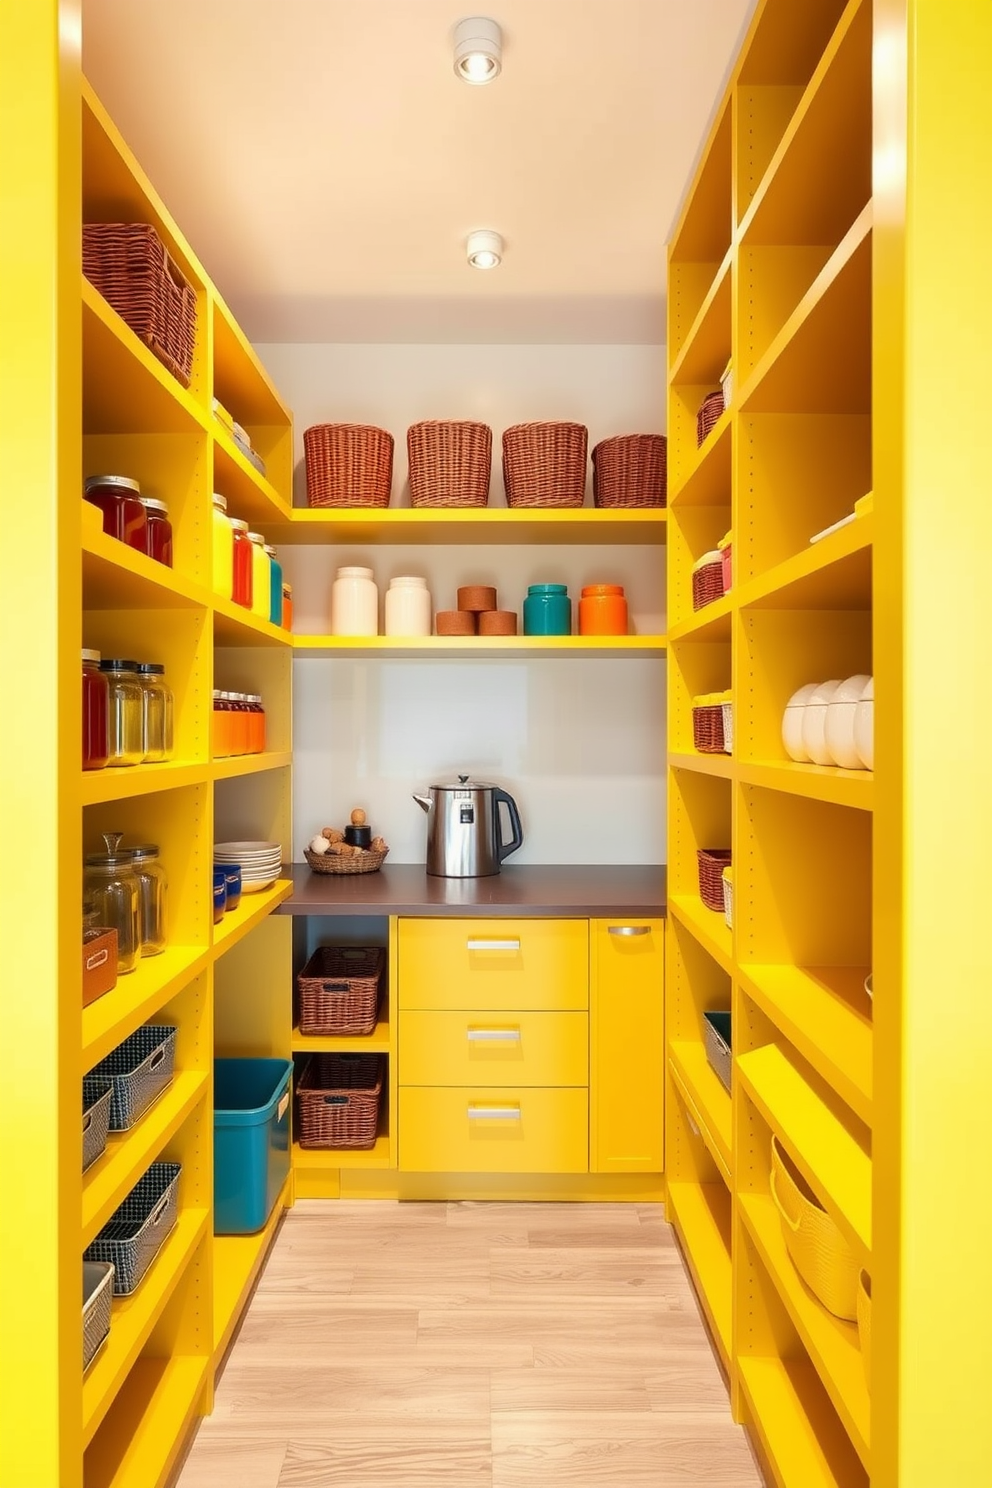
[(454, 623), (498, 623), (477, 597)]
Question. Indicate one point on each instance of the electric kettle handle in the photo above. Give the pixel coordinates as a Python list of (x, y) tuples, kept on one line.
[(517, 840)]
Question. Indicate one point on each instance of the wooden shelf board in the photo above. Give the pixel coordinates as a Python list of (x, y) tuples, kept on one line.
[(379, 1156), (832, 574), (831, 1159), (376, 1042), (695, 1208), (392, 646), (134, 1317), (709, 928), (852, 788), (109, 1181), (705, 351), (236, 626), (137, 997), (707, 481), (115, 577), (151, 1418), (126, 390), (251, 496), (240, 381), (253, 909), (711, 623), (702, 1088), (118, 784), (831, 1343), (804, 1441), (461, 525), (251, 764), (238, 1260), (721, 765), (825, 1012)]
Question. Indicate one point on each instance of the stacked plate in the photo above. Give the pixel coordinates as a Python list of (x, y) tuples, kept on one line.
[(260, 862)]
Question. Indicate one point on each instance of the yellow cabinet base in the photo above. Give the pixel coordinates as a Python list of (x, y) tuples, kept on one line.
[(494, 1048), (474, 1129)]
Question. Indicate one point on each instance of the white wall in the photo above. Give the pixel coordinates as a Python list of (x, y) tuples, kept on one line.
[(578, 741)]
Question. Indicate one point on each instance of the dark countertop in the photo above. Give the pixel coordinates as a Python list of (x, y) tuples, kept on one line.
[(580, 891)]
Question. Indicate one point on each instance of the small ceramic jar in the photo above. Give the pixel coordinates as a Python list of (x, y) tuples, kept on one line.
[(547, 610), (792, 724), (815, 723), (864, 725), (839, 730), (603, 610), (354, 603), (408, 607)]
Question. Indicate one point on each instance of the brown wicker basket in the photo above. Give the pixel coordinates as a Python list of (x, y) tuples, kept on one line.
[(707, 582), (709, 414), (712, 861), (338, 1100), (368, 862), (338, 990), (544, 464), (450, 462), (630, 470), (348, 465), (707, 728), (128, 263)]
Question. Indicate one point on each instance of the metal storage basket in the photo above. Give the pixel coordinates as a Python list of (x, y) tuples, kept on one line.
[(98, 1296), (716, 1032), (139, 1070), (136, 1232), (96, 1120)]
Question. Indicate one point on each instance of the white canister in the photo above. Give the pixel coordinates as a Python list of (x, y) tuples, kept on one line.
[(792, 723), (354, 603), (408, 607), (815, 723), (839, 731), (864, 726)]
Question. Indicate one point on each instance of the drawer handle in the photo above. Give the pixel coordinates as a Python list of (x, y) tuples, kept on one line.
[(494, 945), (630, 929), (494, 1035), (494, 1113)]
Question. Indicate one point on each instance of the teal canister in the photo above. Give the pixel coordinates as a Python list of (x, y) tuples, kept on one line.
[(547, 610)]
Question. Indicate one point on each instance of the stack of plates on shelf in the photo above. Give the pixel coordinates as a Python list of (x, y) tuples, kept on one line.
[(260, 862)]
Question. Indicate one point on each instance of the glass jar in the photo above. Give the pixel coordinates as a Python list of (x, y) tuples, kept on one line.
[(158, 531), (408, 607), (275, 587), (354, 603), (287, 606), (96, 750), (547, 610), (603, 610), (238, 704), (125, 706), (151, 898), (119, 498), (223, 734), (241, 564), (256, 724), (261, 570), (156, 712), (222, 548), (110, 887)]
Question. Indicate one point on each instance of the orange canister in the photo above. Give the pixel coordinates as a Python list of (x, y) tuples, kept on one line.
[(602, 610)]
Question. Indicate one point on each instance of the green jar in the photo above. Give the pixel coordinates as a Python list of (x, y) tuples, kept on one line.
[(547, 610)]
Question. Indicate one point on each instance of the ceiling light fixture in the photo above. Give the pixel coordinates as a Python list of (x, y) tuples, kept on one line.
[(478, 50), (485, 249)]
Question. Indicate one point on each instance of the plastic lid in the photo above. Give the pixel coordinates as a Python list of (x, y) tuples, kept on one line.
[(150, 669), (238, 525), (594, 591), (271, 551), (150, 504), (91, 655), (115, 856), (118, 664), (408, 581), (547, 589), (287, 588), (351, 572), (93, 481), (219, 501), (257, 539)]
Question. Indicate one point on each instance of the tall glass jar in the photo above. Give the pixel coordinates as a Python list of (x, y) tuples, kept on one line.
[(275, 587), (261, 576), (354, 603), (287, 606), (125, 703), (256, 714), (223, 734), (95, 691), (110, 886), (158, 531), (152, 887), (241, 564), (119, 499), (156, 713), (408, 607), (222, 547)]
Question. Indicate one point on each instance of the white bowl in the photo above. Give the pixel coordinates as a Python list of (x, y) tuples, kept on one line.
[(246, 847), (815, 723), (839, 730), (792, 723), (864, 726), (253, 886)]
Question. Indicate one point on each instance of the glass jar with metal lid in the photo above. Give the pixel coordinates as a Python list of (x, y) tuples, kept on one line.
[(261, 576), (110, 887), (95, 691), (125, 701), (158, 531), (152, 885), (156, 713), (119, 499)]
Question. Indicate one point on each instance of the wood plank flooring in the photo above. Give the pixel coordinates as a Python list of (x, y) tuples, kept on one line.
[(471, 1346)]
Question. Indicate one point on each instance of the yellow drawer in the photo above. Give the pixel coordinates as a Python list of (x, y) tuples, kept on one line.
[(494, 1048), (494, 965), (472, 1129)]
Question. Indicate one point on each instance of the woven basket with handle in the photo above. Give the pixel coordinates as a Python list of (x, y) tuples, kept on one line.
[(819, 1252), (348, 465), (338, 990), (630, 470), (544, 464), (711, 863), (709, 414), (450, 462), (132, 268), (338, 1100)]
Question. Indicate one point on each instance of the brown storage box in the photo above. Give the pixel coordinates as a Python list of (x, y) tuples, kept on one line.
[(477, 597), (99, 963), (455, 623)]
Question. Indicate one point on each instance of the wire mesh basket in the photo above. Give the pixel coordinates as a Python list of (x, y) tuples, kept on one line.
[(137, 1230), (96, 1120), (139, 1070), (98, 1297), (716, 1036)]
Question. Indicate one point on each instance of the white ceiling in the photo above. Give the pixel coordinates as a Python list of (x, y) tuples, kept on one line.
[(326, 164)]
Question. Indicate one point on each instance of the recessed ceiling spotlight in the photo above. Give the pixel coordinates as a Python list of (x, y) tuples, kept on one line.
[(478, 50), (485, 249)]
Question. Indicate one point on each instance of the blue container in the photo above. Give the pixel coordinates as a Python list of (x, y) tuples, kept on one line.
[(220, 894), (547, 610), (251, 1141), (275, 588), (232, 877)]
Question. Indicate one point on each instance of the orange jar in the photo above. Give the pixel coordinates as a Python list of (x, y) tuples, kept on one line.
[(223, 726), (602, 610)]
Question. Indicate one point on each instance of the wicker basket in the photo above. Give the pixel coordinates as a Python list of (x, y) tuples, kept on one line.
[(98, 1300), (338, 1101), (727, 878), (863, 1308), (707, 579), (348, 465), (136, 1232), (366, 862), (711, 863), (819, 1251), (132, 268), (96, 1121), (450, 462), (139, 1070), (630, 470), (709, 415), (725, 547), (716, 1035), (545, 464), (707, 724), (338, 990), (727, 712)]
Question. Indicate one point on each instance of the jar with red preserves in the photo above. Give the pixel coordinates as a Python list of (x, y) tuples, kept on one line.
[(243, 559), (119, 499), (96, 746), (158, 531)]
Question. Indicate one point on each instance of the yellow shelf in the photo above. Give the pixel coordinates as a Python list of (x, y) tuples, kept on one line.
[(831, 1343), (696, 1209), (125, 388), (460, 525), (379, 1156), (323, 646), (115, 577), (109, 1181), (709, 928), (240, 381), (707, 481), (134, 1317), (721, 765), (832, 1160), (250, 912), (701, 1088), (854, 788), (238, 1260), (147, 1430), (711, 623), (136, 998), (376, 1042), (706, 349), (113, 784), (251, 764), (825, 1013), (804, 1442), (236, 626), (251, 496), (832, 574)]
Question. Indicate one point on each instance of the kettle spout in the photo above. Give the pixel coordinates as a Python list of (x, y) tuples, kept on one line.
[(424, 802)]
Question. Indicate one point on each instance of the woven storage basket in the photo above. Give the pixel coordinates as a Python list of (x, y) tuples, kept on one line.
[(709, 414), (98, 1299), (348, 465), (338, 990), (139, 1070), (716, 1035), (367, 862), (136, 1232), (711, 862), (727, 721), (863, 1307), (707, 579), (630, 470), (727, 879), (544, 464), (450, 462), (819, 1251), (725, 548), (707, 725), (338, 1101), (96, 1121), (132, 268)]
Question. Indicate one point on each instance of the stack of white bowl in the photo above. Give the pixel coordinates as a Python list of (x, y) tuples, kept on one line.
[(260, 862), (832, 723)]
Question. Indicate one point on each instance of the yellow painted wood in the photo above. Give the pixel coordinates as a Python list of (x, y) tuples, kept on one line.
[(709, 928), (705, 477), (325, 645), (502, 1188), (252, 996), (703, 229), (379, 1041), (125, 387), (707, 1099), (494, 965), (236, 626), (711, 623), (500, 1130), (115, 575), (313, 1166), (238, 1261), (801, 1438), (706, 350), (458, 526), (701, 1215), (141, 1441), (248, 491), (834, 573), (720, 765), (627, 1046), (854, 788), (252, 910), (139, 994), (524, 1048)]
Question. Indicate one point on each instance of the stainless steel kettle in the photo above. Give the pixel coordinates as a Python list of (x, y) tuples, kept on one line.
[(464, 828)]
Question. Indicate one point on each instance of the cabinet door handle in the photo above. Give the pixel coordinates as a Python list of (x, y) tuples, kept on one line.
[(494, 1113), (494, 945), (630, 929), (494, 1035)]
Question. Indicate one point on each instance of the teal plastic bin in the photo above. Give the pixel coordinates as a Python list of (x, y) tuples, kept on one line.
[(251, 1141)]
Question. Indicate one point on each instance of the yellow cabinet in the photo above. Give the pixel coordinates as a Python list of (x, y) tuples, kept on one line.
[(521, 1048), (626, 1078), (478, 1130), (494, 964)]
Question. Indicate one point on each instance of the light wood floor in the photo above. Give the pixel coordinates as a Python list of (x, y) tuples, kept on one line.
[(485, 1345)]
